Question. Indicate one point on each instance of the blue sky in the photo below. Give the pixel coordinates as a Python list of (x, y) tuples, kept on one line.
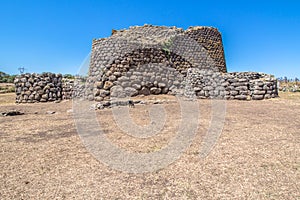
[(56, 35)]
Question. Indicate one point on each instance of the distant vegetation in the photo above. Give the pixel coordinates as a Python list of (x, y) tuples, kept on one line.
[(288, 80), (289, 85), (69, 76), (6, 78)]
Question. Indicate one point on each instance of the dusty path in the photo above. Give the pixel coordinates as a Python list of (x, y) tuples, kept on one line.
[(256, 157)]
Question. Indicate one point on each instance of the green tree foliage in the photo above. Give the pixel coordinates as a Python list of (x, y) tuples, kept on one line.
[(6, 78), (69, 76)]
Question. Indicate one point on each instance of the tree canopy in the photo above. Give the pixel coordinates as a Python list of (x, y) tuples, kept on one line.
[(6, 78)]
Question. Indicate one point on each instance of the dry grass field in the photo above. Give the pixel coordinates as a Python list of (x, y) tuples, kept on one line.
[(7, 87), (256, 157)]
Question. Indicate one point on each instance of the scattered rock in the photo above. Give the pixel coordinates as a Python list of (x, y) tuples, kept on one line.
[(50, 112), (70, 111), (12, 113)]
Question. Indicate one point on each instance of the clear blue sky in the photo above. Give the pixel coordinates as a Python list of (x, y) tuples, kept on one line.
[(56, 35)]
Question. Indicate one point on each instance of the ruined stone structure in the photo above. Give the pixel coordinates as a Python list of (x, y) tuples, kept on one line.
[(31, 88), (165, 60), (144, 60)]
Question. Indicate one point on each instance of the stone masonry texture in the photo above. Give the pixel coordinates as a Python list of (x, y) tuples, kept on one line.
[(31, 88), (148, 59), (144, 60)]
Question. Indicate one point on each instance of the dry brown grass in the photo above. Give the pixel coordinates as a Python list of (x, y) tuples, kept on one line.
[(7, 98), (289, 95), (256, 157), (7, 88)]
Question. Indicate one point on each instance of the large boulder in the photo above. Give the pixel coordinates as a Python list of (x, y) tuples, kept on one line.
[(130, 91), (117, 91)]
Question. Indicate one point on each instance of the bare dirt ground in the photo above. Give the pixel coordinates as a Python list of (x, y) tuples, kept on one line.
[(256, 157)]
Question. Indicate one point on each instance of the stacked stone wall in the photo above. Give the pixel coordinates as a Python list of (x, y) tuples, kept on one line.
[(210, 38), (152, 60), (129, 51), (237, 85), (31, 88)]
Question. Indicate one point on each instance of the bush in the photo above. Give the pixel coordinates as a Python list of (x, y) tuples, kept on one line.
[(69, 76), (6, 78)]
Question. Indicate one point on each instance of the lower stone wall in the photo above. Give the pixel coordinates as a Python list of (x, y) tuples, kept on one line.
[(67, 88), (202, 84), (31, 88), (236, 85)]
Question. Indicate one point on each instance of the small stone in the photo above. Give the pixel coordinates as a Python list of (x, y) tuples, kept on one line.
[(107, 85), (197, 89), (158, 101), (99, 84), (268, 96), (99, 106), (208, 88), (70, 111), (45, 96), (144, 91), (117, 91), (265, 87), (241, 97), (241, 88), (106, 103), (43, 100), (243, 80), (90, 97), (112, 78), (244, 92), (258, 97), (137, 86), (161, 85), (104, 93), (148, 84), (259, 92), (201, 93), (164, 90), (234, 92), (176, 83), (12, 113), (239, 84), (155, 90), (260, 84), (225, 84), (98, 99), (256, 87), (129, 91), (117, 74)]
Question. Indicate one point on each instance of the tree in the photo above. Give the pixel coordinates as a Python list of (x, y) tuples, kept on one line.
[(69, 76), (6, 78)]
